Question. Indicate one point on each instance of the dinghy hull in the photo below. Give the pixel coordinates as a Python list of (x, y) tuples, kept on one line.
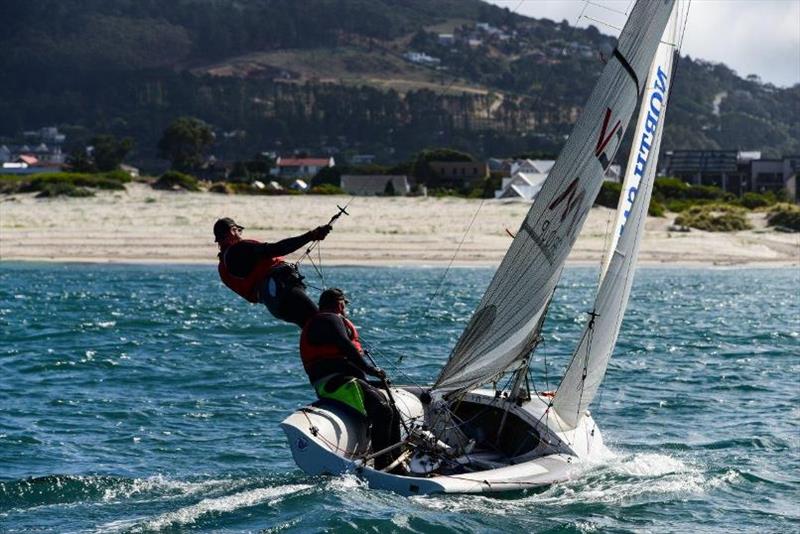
[(327, 439)]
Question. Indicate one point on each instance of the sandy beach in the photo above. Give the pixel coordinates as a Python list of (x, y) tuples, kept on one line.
[(144, 225)]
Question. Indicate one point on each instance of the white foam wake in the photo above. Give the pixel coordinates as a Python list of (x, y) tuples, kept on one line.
[(190, 514)]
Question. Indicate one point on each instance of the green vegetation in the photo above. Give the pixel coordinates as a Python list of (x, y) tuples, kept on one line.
[(609, 195), (222, 188), (174, 180), (784, 216), (63, 183), (63, 189), (714, 218), (753, 201), (327, 189), (677, 196), (184, 142), (609, 198)]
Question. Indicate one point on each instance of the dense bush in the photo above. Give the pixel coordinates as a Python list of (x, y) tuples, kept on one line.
[(752, 201), (63, 189), (327, 189), (62, 183), (714, 218), (174, 180), (784, 216), (656, 208), (678, 196), (221, 187), (609, 195)]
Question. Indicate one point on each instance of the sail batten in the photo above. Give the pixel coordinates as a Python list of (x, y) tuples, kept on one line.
[(506, 319)]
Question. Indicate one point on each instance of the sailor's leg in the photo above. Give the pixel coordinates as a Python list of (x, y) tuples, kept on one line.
[(381, 417), (285, 297)]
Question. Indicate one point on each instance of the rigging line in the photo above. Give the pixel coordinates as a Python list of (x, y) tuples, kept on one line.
[(685, 24), (450, 265), (580, 15), (607, 8), (604, 23), (606, 252), (389, 364), (307, 253)]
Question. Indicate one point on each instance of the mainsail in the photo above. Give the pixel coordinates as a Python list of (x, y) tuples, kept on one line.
[(590, 359), (505, 325)]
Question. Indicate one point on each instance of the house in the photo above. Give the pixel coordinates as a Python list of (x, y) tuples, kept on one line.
[(300, 167), (459, 173), (446, 39), (522, 185), (420, 58), (375, 184), (534, 166), (733, 171), (526, 185)]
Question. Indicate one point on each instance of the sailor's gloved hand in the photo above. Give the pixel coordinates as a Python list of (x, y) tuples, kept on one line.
[(320, 232)]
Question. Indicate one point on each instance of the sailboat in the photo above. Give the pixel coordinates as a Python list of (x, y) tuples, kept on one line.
[(463, 434)]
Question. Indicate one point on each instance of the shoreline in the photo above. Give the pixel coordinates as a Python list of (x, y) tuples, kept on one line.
[(145, 226), (397, 265)]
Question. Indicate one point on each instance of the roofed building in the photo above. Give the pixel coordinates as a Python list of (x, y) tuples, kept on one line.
[(296, 167), (459, 173)]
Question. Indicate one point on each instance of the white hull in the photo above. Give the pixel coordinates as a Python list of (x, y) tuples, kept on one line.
[(327, 439)]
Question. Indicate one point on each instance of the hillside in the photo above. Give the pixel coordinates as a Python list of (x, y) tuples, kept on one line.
[(336, 75)]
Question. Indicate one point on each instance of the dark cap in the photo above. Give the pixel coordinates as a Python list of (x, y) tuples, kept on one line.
[(223, 226), (331, 296)]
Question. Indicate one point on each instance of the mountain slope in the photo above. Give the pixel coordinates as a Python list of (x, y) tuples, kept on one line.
[(332, 74)]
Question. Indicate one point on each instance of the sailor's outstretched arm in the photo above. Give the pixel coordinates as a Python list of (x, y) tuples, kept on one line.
[(290, 244)]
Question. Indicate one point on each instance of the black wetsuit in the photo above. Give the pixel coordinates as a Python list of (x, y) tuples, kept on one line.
[(284, 291), (329, 329)]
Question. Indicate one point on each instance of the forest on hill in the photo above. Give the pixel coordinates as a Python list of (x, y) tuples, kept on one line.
[(334, 75)]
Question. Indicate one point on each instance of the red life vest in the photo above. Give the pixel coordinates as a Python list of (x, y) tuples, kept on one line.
[(247, 287), (311, 354)]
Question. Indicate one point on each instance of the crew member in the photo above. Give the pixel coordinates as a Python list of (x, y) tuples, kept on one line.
[(333, 359), (256, 271)]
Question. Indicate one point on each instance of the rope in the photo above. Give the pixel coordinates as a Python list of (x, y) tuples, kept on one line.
[(450, 265)]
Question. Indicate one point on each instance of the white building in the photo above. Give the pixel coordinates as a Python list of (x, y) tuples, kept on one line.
[(524, 185)]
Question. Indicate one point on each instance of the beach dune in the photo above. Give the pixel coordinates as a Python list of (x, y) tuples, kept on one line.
[(144, 225)]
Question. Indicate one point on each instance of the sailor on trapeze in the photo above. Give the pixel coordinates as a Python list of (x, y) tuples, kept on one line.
[(256, 271)]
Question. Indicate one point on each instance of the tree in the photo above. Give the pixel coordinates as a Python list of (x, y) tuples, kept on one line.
[(184, 143), (389, 191), (79, 161), (108, 151), (328, 175)]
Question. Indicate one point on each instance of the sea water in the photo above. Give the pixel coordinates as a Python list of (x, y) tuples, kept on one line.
[(148, 398)]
